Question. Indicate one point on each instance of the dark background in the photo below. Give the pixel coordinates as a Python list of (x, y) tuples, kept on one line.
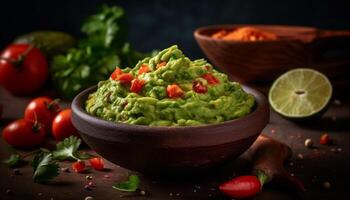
[(160, 23)]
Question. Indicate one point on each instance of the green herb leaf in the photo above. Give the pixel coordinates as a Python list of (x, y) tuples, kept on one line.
[(96, 56), (130, 185), (14, 160), (68, 149), (44, 167)]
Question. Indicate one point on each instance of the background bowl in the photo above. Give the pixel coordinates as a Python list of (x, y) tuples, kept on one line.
[(169, 149), (259, 63)]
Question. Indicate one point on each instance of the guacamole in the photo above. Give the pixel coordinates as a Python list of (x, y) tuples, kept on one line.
[(169, 90)]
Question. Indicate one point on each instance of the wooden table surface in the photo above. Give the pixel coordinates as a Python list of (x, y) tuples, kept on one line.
[(317, 166)]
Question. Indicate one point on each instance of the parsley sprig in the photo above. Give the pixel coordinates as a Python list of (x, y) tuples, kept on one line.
[(45, 162)]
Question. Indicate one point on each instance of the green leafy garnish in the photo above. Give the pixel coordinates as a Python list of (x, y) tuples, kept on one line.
[(102, 49), (44, 167), (68, 149), (14, 160), (130, 185)]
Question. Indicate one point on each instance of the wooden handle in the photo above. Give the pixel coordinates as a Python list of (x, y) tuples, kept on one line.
[(332, 45), (327, 34)]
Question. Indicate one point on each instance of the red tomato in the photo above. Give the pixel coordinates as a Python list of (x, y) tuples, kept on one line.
[(116, 73), (78, 166), (199, 87), (144, 69), (174, 91), (210, 78), (324, 140), (137, 85), (162, 64), (97, 163), (125, 78), (241, 187), (23, 69), (24, 134), (62, 126), (42, 109)]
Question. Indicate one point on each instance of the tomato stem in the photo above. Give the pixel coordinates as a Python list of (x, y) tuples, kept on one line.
[(53, 105), (19, 61), (36, 126)]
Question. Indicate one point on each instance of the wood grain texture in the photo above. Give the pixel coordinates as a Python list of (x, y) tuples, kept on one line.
[(169, 149), (263, 61)]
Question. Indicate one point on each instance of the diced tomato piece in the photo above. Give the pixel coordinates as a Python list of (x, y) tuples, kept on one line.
[(97, 163), (144, 69), (174, 91), (162, 64), (211, 79), (199, 87), (125, 78), (324, 140), (78, 166), (116, 73), (137, 85)]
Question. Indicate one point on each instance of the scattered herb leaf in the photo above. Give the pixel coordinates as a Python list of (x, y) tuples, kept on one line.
[(68, 149), (130, 185), (14, 160), (44, 167)]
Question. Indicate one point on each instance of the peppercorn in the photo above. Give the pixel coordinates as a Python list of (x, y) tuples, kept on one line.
[(308, 143)]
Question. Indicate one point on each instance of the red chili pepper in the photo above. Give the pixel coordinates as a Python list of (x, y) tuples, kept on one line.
[(211, 79), (97, 163), (144, 69), (199, 87), (125, 78), (241, 187), (78, 166), (116, 73), (324, 139), (137, 85), (162, 64), (174, 91)]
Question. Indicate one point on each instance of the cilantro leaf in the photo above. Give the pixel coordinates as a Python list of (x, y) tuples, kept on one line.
[(44, 167), (14, 160), (130, 185), (105, 29), (103, 47), (68, 149)]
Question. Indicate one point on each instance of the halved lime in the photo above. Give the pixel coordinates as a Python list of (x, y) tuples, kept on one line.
[(300, 93)]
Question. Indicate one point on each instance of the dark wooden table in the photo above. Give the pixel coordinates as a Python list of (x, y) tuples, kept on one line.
[(323, 163)]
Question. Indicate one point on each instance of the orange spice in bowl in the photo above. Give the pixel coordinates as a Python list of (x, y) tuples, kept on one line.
[(244, 34)]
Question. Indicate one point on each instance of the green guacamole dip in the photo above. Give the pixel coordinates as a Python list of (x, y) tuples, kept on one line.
[(201, 94)]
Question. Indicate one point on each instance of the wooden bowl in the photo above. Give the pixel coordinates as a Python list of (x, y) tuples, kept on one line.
[(169, 149), (261, 62)]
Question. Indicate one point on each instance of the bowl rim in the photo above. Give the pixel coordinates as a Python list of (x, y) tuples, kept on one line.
[(198, 31), (260, 105)]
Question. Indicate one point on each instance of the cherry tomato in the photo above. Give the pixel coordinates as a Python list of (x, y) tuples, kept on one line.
[(211, 79), (125, 78), (97, 163), (42, 109), (62, 126), (78, 166), (162, 64), (199, 87), (241, 187), (324, 139), (174, 91), (137, 85), (116, 73), (23, 69), (24, 134), (144, 69)]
